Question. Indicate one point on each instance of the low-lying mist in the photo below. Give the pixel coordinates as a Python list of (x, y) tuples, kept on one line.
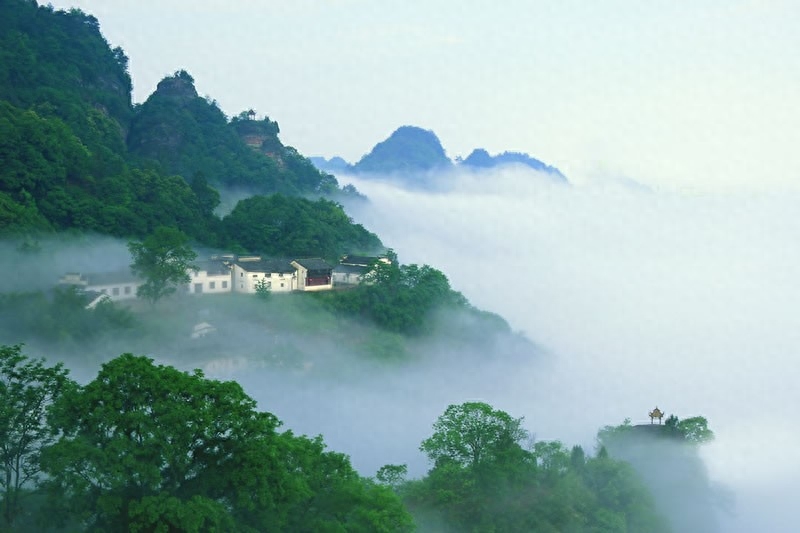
[(642, 298), (630, 298)]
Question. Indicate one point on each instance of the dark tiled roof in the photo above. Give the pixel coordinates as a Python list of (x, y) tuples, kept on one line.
[(313, 263), (214, 268), (267, 265)]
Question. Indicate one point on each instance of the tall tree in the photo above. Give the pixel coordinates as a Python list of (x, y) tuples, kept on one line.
[(148, 446), (28, 387), (471, 433), (163, 259)]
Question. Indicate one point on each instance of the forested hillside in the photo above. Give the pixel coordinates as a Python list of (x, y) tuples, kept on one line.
[(77, 155)]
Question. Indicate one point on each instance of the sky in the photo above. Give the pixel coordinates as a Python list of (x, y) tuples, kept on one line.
[(674, 94)]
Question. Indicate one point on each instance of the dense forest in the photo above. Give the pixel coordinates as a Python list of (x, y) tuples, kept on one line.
[(143, 446)]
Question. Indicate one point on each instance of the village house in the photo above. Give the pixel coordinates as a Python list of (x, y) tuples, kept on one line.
[(313, 274), (243, 274), (352, 268), (251, 272), (116, 285), (213, 276)]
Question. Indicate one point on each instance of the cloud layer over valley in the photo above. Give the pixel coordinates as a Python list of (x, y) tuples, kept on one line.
[(640, 298)]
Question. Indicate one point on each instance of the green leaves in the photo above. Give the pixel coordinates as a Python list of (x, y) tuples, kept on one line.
[(163, 260), (280, 225), (472, 433), (484, 480), (144, 441), (146, 447), (28, 389)]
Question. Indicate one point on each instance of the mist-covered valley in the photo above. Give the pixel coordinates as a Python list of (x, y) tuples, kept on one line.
[(640, 297)]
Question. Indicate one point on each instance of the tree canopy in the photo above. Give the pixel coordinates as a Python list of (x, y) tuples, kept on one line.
[(472, 433), (146, 447), (280, 225), (163, 260), (78, 155), (486, 476), (28, 388)]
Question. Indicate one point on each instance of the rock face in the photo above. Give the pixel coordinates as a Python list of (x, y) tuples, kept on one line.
[(179, 87), (409, 150)]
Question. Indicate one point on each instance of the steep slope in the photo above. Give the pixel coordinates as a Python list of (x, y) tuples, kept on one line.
[(187, 134), (66, 121)]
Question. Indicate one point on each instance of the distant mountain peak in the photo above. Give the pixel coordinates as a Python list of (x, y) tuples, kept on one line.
[(480, 158), (407, 149)]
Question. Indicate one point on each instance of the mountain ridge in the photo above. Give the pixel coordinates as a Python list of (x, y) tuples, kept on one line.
[(411, 154)]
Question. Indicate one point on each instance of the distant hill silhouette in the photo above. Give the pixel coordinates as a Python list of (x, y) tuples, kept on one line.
[(408, 149), (480, 158), (333, 165), (411, 153)]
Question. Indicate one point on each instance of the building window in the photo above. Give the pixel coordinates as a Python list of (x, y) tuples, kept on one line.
[(241, 274), (281, 284), (224, 284), (269, 274), (115, 291), (212, 284), (127, 289)]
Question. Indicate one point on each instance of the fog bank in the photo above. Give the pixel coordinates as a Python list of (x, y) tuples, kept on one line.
[(643, 298)]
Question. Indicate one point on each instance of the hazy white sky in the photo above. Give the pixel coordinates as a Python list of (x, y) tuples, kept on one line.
[(678, 94)]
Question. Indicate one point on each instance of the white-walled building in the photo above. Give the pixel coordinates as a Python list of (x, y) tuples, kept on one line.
[(211, 277), (313, 274), (116, 285), (223, 274), (352, 269), (248, 272)]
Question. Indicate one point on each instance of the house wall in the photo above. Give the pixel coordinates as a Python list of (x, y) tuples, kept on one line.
[(304, 284), (346, 278), (209, 283), (245, 281), (116, 291)]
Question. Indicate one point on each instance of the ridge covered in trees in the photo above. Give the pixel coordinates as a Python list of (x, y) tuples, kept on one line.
[(77, 155)]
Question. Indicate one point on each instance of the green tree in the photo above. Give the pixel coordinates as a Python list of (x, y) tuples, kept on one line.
[(472, 433), (263, 289), (28, 388), (392, 475), (148, 447), (695, 429), (484, 480), (163, 259)]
